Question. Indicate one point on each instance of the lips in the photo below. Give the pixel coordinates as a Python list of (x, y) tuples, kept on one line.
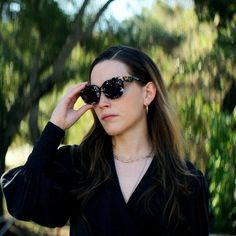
[(108, 116)]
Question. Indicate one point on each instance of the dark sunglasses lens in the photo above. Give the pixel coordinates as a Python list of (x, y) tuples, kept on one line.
[(113, 88), (90, 94)]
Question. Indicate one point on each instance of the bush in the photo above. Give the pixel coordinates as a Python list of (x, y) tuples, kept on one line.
[(212, 137)]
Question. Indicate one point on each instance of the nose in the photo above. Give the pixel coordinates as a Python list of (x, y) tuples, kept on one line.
[(104, 101)]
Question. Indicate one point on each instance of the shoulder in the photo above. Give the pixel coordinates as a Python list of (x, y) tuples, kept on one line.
[(66, 155), (193, 169), (67, 151), (198, 180), (63, 164)]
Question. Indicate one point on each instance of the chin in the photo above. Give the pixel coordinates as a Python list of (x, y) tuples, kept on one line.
[(113, 131)]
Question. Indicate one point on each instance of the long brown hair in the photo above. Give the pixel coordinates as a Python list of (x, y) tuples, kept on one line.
[(171, 168)]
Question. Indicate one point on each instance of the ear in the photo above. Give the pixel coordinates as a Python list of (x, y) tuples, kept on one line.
[(149, 93)]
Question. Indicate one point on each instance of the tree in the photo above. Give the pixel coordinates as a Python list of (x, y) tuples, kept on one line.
[(36, 40), (222, 14), (220, 63)]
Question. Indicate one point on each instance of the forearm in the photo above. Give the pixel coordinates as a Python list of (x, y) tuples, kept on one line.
[(31, 194)]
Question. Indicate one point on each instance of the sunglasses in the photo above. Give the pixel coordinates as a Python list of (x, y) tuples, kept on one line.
[(112, 88)]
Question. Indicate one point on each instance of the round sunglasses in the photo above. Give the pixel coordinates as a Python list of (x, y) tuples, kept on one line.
[(112, 88)]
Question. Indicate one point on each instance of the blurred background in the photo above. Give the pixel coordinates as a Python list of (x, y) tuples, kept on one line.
[(47, 46)]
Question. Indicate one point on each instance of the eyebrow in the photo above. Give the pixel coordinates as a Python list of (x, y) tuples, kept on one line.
[(107, 80), (126, 78)]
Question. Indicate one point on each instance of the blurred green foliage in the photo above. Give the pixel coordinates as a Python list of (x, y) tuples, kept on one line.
[(197, 61), (212, 145)]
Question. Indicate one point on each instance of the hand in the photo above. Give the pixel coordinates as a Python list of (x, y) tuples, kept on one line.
[(64, 115)]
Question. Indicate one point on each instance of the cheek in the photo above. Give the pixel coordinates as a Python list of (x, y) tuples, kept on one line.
[(134, 103), (95, 110), (129, 116)]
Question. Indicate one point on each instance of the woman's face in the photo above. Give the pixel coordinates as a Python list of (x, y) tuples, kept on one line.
[(124, 113)]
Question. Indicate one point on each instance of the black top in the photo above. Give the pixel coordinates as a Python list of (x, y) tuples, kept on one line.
[(41, 191)]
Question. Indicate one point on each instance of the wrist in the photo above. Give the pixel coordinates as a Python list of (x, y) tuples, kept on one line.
[(58, 124)]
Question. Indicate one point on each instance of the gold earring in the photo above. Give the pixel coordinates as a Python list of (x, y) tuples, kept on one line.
[(146, 106)]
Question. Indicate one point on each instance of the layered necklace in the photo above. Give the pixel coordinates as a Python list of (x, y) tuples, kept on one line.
[(128, 165), (130, 160)]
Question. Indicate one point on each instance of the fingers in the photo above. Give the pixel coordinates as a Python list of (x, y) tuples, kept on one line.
[(64, 114), (74, 91), (75, 115), (83, 109), (72, 94)]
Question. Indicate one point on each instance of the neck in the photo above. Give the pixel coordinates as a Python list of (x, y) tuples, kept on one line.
[(132, 144)]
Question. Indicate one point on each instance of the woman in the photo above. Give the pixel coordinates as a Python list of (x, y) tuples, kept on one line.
[(128, 176)]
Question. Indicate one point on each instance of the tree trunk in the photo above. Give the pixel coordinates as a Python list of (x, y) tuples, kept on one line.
[(33, 113), (24, 101), (33, 123), (229, 101)]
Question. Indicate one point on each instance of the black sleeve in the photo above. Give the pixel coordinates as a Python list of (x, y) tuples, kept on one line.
[(40, 190)]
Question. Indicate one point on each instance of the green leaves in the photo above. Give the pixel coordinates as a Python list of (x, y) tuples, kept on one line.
[(216, 134)]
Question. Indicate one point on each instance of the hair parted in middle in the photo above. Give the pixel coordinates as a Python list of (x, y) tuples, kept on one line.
[(96, 147)]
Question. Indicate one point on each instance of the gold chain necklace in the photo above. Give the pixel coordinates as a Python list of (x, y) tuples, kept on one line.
[(130, 160), (139, 177), (134, 186)]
